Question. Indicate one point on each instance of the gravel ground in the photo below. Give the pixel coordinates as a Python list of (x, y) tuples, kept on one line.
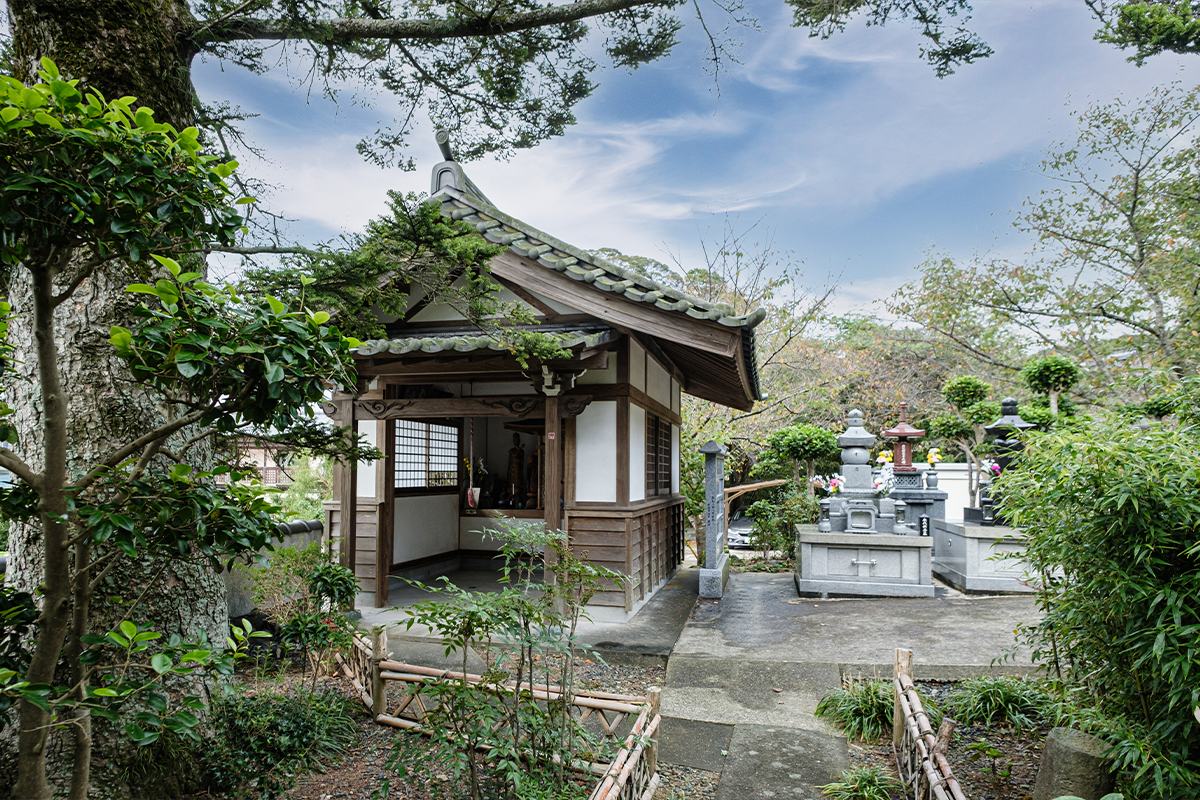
[(981, 776)]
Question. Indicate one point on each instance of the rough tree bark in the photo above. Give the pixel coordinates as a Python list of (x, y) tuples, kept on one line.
[(120, 47)]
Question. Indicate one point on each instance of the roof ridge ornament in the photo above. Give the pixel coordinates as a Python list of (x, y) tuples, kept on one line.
[(442, 137)]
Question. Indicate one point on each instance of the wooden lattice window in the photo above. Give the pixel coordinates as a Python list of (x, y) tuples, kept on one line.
[(426, 455), (658, 456)]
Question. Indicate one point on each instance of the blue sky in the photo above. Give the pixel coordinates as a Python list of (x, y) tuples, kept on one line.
[(849, 150)]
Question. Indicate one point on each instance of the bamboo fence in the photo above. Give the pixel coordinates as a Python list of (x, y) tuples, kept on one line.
[(920, 756), (631, 775)]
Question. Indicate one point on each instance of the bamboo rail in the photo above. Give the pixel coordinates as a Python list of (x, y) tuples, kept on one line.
[(920, 758), (633, 773)]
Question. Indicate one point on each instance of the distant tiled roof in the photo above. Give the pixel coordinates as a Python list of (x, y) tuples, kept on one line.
[(525, 240), (466, 344)]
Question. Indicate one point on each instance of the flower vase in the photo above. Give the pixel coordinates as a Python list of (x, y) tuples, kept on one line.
[(931, 479)]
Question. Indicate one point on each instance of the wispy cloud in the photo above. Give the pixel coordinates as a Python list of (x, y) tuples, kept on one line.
[(850, 147)]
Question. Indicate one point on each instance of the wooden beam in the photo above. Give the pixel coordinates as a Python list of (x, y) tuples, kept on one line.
[(618, 310), (506, 406), (663, 359)]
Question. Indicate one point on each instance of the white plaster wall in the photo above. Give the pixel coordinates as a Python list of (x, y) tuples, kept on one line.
[(426, 525), (557, 306), (637, 452), (952, 479), (658, 382), (471, 533), (596, 453), (674, 459), (441, 312), (599, 376), (366, 472), (637, 365)]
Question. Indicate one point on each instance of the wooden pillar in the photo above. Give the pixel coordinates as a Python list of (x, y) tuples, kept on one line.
[(348, 493), (385, 470), (554, 466)]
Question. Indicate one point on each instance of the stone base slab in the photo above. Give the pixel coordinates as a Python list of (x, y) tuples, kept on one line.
[(869, 589), (713, 581), (871, 565), (966, 557)]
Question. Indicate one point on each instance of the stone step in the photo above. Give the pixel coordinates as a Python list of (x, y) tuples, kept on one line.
[(771, 762)]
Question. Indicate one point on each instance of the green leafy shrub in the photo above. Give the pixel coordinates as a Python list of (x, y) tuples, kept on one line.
[(1111, 516), (263, 741), (526, 633), (776, 518), (862, 709), (1006, 700), (863, 783)]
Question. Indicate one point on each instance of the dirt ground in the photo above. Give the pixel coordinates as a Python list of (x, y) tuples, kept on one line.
[(361, 775), (998, 763)]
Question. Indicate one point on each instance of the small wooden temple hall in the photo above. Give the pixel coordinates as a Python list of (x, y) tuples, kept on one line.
[(589, 443)]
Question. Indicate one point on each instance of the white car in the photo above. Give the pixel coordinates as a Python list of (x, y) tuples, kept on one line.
[(737, 535)]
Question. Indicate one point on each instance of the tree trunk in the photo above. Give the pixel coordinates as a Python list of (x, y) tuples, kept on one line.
[(1054, 402), (119, 47)]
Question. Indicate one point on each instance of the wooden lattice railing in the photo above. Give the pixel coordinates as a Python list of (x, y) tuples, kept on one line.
[(632, 774), (920, 756)]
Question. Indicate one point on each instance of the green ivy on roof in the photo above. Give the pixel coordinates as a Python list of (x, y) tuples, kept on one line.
[(527, 241)]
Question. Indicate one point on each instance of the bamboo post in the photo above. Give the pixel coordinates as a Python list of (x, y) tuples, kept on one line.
[(903, 667), (945, 730), (655, 696), (378, 685)]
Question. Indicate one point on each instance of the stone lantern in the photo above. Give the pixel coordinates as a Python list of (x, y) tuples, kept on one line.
[(1008, 447)]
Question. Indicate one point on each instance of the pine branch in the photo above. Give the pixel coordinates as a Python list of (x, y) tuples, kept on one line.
[(345, 29)]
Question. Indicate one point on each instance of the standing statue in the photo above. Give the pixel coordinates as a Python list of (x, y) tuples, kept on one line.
[(516, 467)]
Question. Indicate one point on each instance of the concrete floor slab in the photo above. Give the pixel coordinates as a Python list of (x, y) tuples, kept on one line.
[(770, 762), (693, 743), (646, 639), (952, 635), (649, 637), (736, 691)]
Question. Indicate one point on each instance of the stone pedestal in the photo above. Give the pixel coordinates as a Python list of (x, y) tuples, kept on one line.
[(930, 502), (874, 565), (968, 557), (1072, 764)]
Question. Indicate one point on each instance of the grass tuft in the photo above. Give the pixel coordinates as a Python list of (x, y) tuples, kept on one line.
[(863, 783), (999, 700), (862, 709)]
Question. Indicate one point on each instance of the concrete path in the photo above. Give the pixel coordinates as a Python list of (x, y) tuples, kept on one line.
[(646, 639), (747, 672)]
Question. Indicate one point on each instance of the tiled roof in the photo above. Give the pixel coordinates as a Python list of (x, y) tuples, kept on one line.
[(525, 240), (466, 344)]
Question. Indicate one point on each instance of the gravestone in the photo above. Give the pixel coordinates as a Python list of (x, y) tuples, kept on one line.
[(861, 549)]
